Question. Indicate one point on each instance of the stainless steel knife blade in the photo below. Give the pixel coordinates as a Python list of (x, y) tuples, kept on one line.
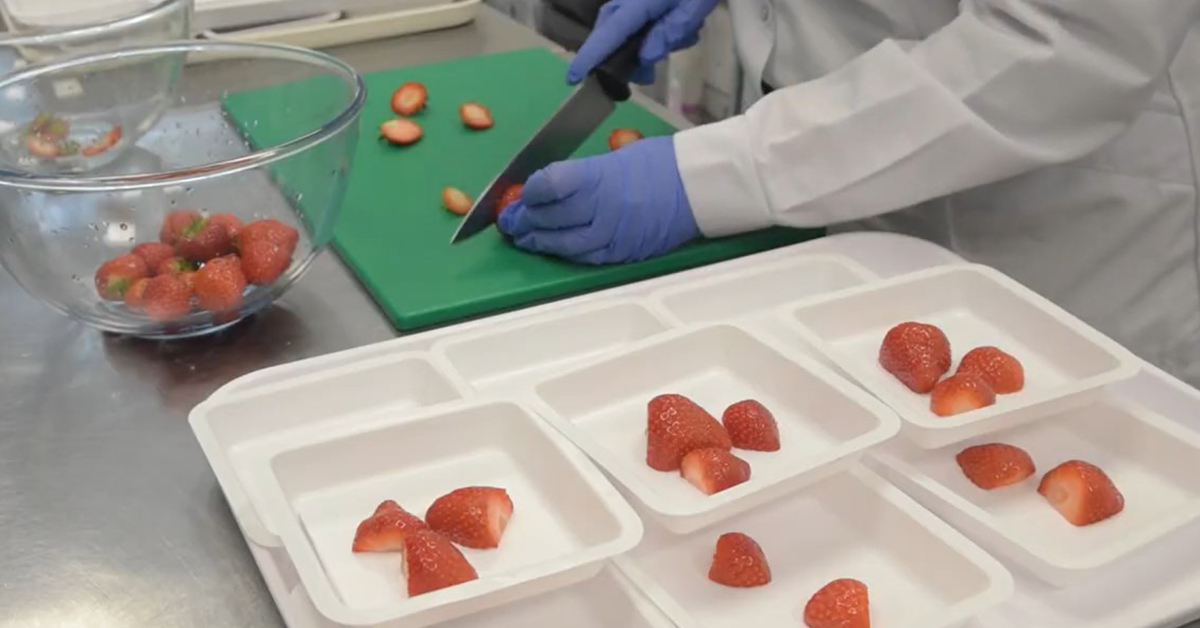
[(574, 121)]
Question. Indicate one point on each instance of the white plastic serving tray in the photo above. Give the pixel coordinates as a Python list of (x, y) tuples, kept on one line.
[(1156, 586)]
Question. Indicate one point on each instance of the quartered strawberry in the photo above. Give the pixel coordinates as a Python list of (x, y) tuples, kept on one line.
[(714, 470), (993, 465), (739, 562), (231, 223), (409, 98), (475, 115), (154, 254), (622, 137), (511, 195), (456, 201), (961, 392), (167, 298), (751, 426), (107, 141), (401, 132), (917, 354), (843, 603), (432, 562), (219, 285), (474, 517), (1000, 370), (176, 222), (270, 230), (115, 276), (675, 425), (264, 261), (386, 530), (1081, 492), (204, 240)]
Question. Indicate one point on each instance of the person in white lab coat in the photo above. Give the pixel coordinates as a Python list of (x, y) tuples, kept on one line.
[(1056, 140)]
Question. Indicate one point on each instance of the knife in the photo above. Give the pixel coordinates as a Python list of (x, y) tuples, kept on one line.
[(574, 121)]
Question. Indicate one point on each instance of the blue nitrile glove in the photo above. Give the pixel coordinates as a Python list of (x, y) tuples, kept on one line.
[(623, 206), (676, 25)]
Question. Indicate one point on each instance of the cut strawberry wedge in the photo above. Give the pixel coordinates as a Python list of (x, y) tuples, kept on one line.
[(1081, 492), (961, 392), (1000, 370), (995, 465), (431, 563), (917, 354), (714, 470), (386, 530), (676, 425), (739, 562), (751, 426), (475, 516)]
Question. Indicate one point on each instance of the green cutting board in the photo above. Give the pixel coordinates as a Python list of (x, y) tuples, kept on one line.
[(393, 230)]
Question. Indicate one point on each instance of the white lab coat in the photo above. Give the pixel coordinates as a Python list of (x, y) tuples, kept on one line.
[(1057, 140)]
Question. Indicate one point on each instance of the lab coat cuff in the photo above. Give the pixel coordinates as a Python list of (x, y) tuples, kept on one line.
[(721, 179)]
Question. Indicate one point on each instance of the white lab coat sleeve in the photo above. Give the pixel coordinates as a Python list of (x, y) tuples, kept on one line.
[(1007, 87)]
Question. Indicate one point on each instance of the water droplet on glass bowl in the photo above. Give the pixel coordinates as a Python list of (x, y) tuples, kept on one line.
[(125, 227)]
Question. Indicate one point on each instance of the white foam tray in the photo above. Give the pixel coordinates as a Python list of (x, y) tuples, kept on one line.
[(1153, 462), (918, 571), (1066, 362), (825, 423), (317, 487)]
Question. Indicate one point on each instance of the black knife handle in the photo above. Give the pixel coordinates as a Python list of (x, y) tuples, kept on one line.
[(614, 73)]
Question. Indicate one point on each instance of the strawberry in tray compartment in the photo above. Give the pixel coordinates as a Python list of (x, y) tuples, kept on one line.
[(675, 426), (386, 529), (961, 392), (995, 465), (1000, 370), (843, 603), (116, 275), (714, 470), (917, 354), (751, 426), (432, 562), (475, 516), (1081, 492), (739, 562)]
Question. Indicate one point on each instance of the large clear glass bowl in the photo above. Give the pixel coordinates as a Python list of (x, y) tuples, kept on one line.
[(257, 131)]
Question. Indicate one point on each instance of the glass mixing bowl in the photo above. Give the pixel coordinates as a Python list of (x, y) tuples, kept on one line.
[(263, 133)]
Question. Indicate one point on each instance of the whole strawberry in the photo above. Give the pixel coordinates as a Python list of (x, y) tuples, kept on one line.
[(263, 261), (204, 240), (177, 222), (116, 275), (917, 354), (270, 230), (751, 426), (154, 253), (166, 298), (219, 284), (676, 425)]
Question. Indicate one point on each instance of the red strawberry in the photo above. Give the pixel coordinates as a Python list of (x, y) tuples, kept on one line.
[(511, 195), (714, 470), (107, 141), (167, 297), (676, 425), (475, 115), (270, 230), (386, 530), (401, 132), (917, 354), (409, 99), (203, 241), (176, 266), (219, 284), (456, 201), (961, 392), (431, 562), (621, 137), (1082, 492), (232, 223), (1000, 370), (995, 465), (751, 426), (115, 276), (475, 516), (135, 296), (843, 603), (41, 147), (739, 562), (154, 253), (177, 222), (264, 261)]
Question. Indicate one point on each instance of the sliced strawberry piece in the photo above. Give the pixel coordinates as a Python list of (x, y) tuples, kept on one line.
[(401, 132), (511, 195), (115, 276), (675, 425), (1081, 492), (994, 465), (432, 562), (219, 285), (1000, 370), (386, 530), (177, 222), (843, 603), (409, 98), (154, 254), (41, 147), (474, 517), (917, 354), (270, 230), (961, 392), (264, 261), (167, 298), (739, 562), (107, 141), (204, 240), (714, 470), (456, 201), (475, 115), (622, 137), (751, 426), (135, 296)]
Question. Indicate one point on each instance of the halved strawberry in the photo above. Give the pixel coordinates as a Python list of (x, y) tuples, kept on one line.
[(115, 276), (177, 222), (475, 516), (219, 285), (511, 195), (166, 298), (135, 296), (432, 562), (475, 115), (401, 132), (917, 354), (106, 141), (621, 137), (739, 562), (1000, 370), (386, 529), (993, 465), (1081, 492), (270, 230), (675, 425), (843, 603), (264, 261), (456, 201), (751, 426), (409, 98), (714, 470), (154, 253), (961, 392)]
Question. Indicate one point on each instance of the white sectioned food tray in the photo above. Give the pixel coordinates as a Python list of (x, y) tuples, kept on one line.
[(824, 422), (1153, 462), (1066, 362), (317, 487), (919, 572)]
